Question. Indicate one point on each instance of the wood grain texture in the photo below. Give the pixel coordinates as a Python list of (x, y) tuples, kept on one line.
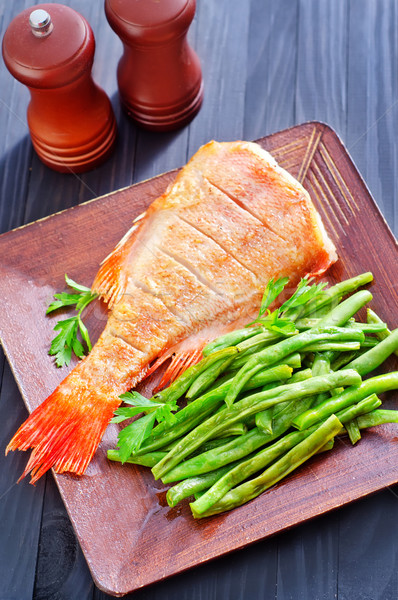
[(19, 504), (273, 64), (271, 67), (372, 101)]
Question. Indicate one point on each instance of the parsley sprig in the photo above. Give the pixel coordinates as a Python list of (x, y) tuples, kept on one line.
[(281, 320), (67, 340), (131, 437)]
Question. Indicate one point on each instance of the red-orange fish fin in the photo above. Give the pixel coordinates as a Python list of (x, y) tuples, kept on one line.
[(110, 280), (188, 351), (64, 431), (178, 364)]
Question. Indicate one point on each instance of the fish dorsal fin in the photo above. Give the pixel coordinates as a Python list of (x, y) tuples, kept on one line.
[(110, 280)]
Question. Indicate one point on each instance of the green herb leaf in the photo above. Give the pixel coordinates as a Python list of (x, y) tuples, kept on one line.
[(136, 399), (164, 413), (82, 289), (62, 300), (61, 346), (271, 293), (282, 319), (67, 339), (131, 437), (303, 294), (84, 333)]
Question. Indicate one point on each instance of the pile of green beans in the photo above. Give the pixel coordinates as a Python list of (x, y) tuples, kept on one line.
[(261, 403)]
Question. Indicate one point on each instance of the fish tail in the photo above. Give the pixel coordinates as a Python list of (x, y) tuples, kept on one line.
[(64, 431)]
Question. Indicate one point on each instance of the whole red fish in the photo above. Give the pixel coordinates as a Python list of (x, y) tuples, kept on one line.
[(191, 266)]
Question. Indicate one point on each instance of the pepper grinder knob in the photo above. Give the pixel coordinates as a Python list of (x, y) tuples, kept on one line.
[(40, 22)]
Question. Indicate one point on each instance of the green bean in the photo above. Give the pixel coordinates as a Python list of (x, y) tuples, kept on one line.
[(244, 356), (245, 407), (281, 372), (238, 448), (159, 438), (373, 358), (184, 381), (335, 292), (265, 337), (377, 417), (298, 376), (339, 315), (193, 485), (214, 443), (293, 360), (231, 339), (264, 419), (247, 468), (343, 359), (319, 312), (146, 460), (369, 342), (352, 395), (373, 318), (377, 328), (278, 351), (211, 460), (208, 377), (237, 429), (321, 366), (362, 407), (308, 323), (353, 431), (282, 467), (338, 346), (328, 446), (191, 415)]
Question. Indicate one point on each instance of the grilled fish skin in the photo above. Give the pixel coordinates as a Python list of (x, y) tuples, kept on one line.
[(196, 261)]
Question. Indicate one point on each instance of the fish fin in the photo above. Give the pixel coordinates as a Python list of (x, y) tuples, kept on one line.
[(64, 431), (110, 281), (188, 351), (179, 363)]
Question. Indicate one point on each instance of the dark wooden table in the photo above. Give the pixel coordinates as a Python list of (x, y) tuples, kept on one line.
[(267, 66)]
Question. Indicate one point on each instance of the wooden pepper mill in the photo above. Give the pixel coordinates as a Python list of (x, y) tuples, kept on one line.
[(51, 50), (159, 75)]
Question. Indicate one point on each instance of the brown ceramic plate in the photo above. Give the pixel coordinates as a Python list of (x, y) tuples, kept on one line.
[(119, 513)]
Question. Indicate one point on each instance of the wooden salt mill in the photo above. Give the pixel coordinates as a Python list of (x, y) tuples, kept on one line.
[(159, 75), (71, 121)]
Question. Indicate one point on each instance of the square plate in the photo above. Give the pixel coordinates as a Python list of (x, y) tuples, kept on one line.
[(120, 514)]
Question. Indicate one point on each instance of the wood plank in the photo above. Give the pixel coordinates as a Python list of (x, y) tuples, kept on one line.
[(20, 504), (368, 548), (308, 560), (321, 92), (222, 47), (16, 144), (61, 569), (372, 107), (271, 67)]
